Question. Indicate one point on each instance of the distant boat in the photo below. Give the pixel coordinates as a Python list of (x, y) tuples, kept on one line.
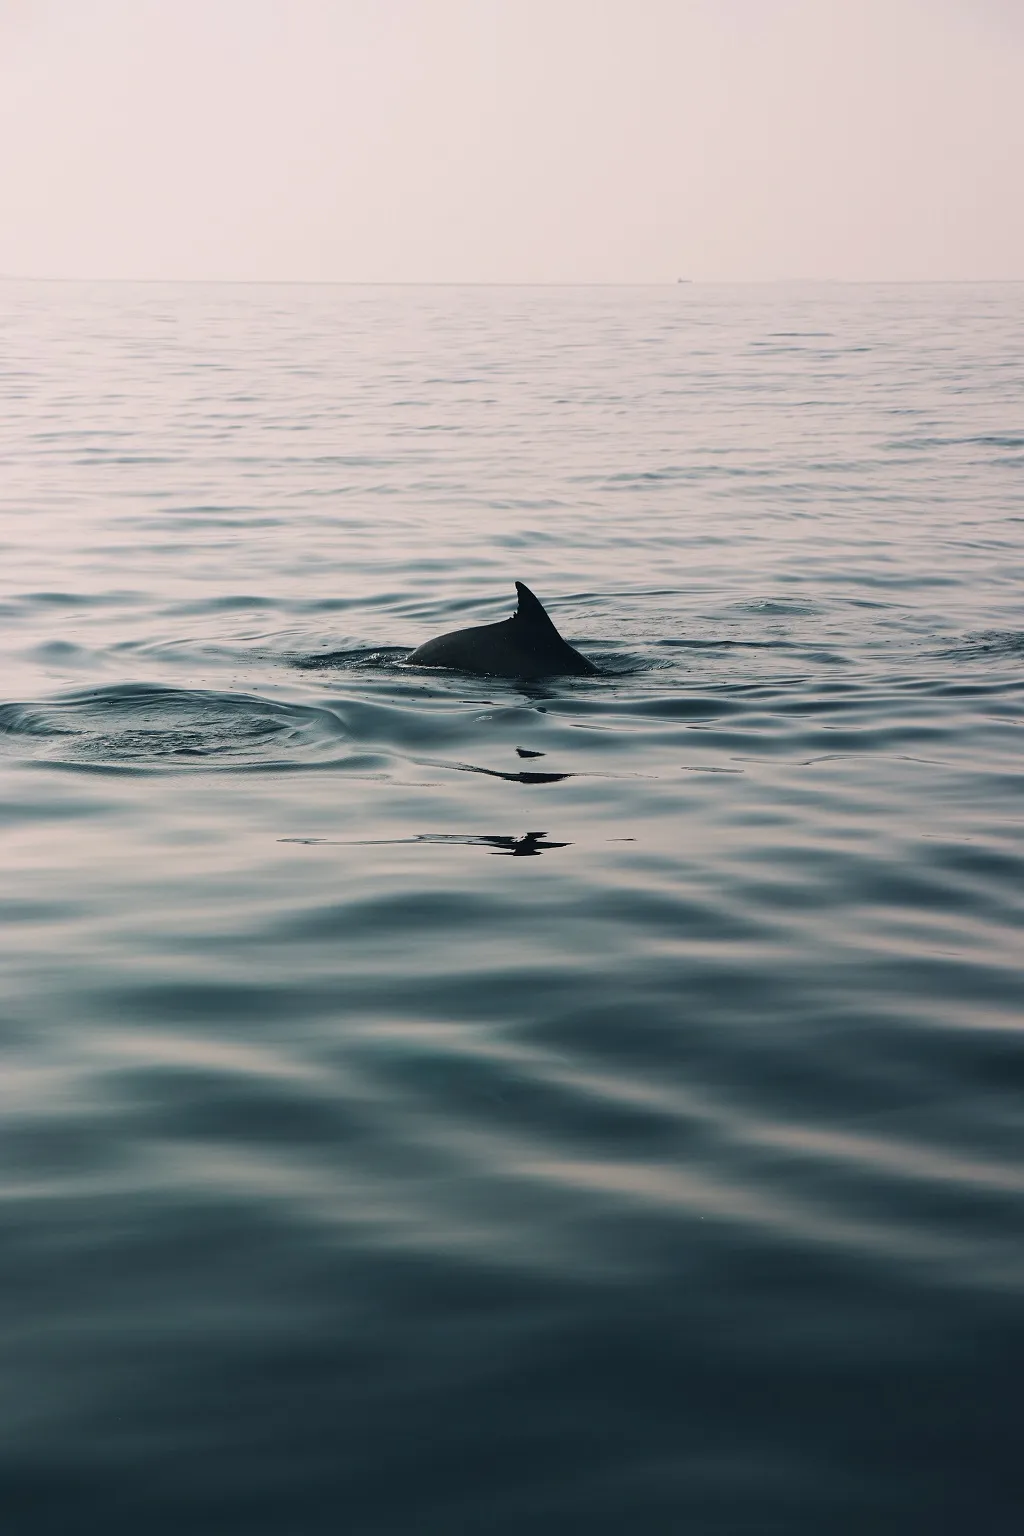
[(684, 279)]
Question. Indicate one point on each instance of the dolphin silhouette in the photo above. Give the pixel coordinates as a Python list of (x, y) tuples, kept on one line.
[(525, 645)]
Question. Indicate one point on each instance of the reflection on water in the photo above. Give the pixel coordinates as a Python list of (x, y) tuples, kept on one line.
[(351, 1181), (528, 846), (525, 845), (517, 778)]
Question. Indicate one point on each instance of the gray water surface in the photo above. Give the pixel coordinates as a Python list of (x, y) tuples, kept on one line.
[(439, 1105)]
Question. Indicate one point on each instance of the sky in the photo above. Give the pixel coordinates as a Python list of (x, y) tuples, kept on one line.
[(564, 141)]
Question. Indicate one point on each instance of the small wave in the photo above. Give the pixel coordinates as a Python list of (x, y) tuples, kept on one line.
[(61, 653), (1011, 442), (137, 728), (781, 607), (682, 644), (994, 643), (358, 659), (622, 663)]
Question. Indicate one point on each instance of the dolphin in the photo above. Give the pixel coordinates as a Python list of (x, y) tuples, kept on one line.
[(525, 645)]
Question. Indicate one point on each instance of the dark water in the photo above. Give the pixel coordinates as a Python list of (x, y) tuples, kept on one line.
[(436, 1105)]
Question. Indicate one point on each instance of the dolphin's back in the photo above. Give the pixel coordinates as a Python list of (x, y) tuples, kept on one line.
[(526, 645)]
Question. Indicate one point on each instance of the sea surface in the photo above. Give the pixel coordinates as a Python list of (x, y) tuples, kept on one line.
[(434, 1105)]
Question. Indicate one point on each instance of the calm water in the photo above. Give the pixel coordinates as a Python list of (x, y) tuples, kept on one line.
[(403, 1134)]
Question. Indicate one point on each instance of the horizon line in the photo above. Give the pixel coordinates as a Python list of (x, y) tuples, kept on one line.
[(484, 283), (677, 282)]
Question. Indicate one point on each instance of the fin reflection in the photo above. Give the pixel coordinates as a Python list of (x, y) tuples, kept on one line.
[(527, 845)]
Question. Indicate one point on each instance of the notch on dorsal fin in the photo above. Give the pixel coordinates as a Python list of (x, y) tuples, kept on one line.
[(531, 609)]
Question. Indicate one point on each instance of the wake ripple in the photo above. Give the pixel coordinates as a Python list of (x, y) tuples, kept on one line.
[(139, 728)]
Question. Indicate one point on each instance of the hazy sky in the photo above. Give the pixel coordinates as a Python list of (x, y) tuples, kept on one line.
[(512, 140)]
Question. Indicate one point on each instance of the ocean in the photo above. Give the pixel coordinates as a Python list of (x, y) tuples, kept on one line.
[(443, 1105)]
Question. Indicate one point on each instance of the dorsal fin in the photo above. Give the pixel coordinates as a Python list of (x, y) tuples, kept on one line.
[(531, 609)]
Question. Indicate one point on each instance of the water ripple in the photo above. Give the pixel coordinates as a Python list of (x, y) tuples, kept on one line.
[(372, 1156)]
